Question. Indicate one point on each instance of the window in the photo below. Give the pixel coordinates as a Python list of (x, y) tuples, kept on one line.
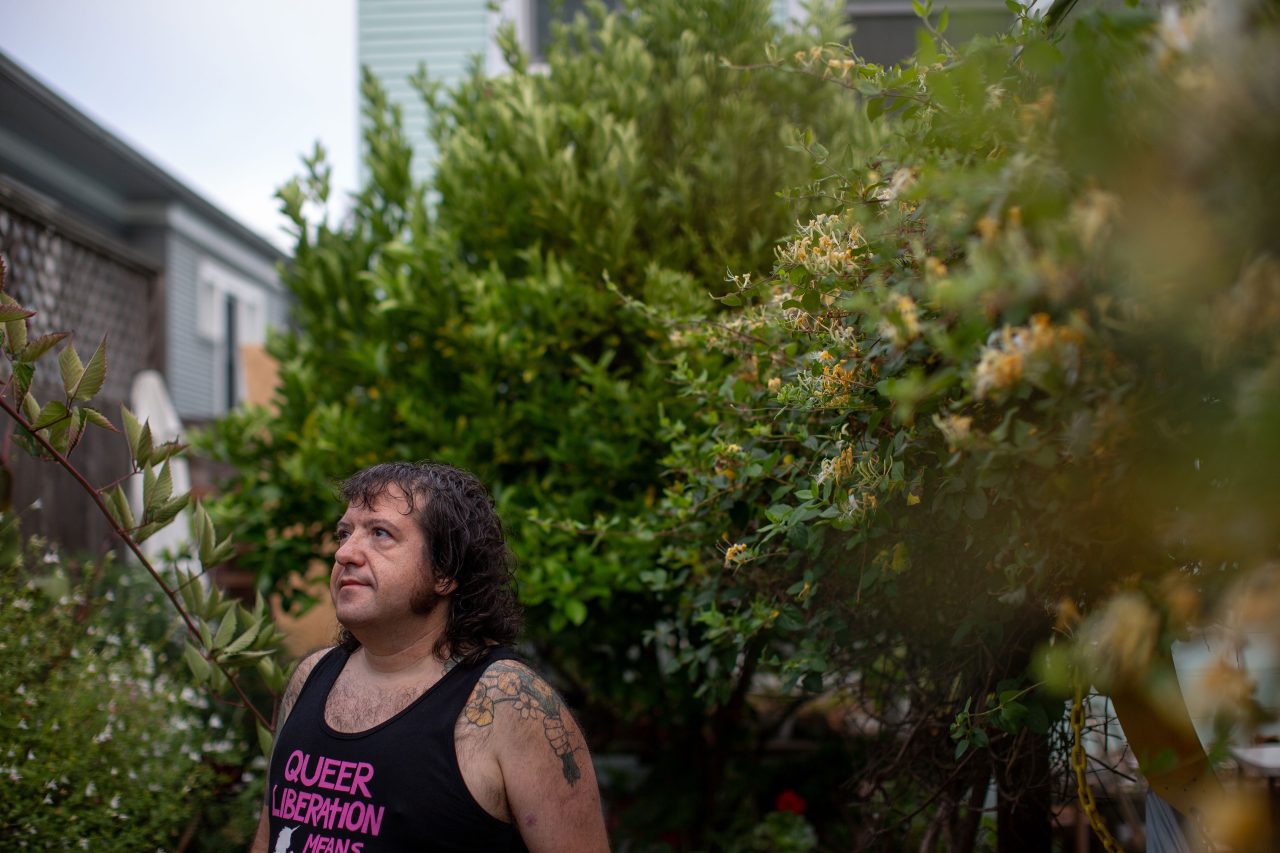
[(230, 313)]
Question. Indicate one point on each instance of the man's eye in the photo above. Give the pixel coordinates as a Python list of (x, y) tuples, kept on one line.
[(342, 536), (380, 531)]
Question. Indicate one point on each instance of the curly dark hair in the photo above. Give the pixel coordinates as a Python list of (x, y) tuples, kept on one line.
[(464, 542)]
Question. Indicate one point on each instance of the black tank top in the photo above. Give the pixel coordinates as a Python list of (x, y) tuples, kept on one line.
[(395, 787)]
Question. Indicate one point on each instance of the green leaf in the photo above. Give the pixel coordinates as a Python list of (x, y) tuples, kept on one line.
[(167, 511), (944, 20), (264, 740), (40, 346), (166, 451), (961, 747), (93, 375), (875, 108), (30, 408), (22, 376), (98, 419), (119, 506), (575, 611), (142, 451), (161, 490), (187, 583), (132, 429), (200, 667), (243, 641), (148, 489), (78, 421), (812, 301), (224, 552), (226, 630), (71, 367), (52, 413), (146, 531)]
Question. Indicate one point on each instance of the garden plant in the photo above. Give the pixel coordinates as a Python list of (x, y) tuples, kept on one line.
[(984, 414)]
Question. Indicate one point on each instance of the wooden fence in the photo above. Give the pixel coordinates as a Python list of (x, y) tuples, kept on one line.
[(82, 281)]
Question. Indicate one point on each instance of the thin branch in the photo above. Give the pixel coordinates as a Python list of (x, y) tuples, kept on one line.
[(133, 546)]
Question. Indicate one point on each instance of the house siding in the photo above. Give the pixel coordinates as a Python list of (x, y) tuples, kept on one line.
[(190, 357), (395, 36), (193, 360)]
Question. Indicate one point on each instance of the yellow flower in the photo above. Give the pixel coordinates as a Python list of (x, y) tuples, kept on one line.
[(774, 384), (735, 554)]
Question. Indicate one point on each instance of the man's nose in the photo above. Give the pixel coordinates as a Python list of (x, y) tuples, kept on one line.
[(350, 551)]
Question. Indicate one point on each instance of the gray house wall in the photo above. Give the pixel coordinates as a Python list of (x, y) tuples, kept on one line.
[(51, 151)]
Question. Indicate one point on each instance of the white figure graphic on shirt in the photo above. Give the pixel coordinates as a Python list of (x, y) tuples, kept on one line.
[(285, 837)]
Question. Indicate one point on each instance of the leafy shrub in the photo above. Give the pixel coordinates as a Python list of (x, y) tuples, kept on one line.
[(106, 745), (491, 329), (1017, 366)]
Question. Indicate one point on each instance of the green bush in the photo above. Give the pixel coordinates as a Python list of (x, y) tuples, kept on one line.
[(492, 330), (1020, 363), (106, 745)]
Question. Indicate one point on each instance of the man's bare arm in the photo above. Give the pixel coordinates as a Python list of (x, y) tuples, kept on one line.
[(262, 838), (546, 770)]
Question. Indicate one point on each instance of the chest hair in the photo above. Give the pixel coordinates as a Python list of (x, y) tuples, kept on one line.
[(357, 708)]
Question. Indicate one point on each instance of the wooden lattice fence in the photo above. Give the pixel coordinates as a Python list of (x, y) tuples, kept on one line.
[(82, 281)]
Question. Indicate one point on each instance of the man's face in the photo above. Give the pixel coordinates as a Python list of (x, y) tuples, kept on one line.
[(380, 574)]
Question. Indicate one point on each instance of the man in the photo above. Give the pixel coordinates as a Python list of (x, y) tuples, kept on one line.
[(421, 730)]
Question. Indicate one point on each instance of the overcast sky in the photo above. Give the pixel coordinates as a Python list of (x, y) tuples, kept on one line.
[(224, 94)]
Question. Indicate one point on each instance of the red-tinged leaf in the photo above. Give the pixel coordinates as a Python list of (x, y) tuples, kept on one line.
[(15, 330), (14, 313), (41, 345), (78, 423), (98, 419)]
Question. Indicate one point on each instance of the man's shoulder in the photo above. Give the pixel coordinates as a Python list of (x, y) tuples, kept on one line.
[(307, 663), (509, 690), (298, 678)]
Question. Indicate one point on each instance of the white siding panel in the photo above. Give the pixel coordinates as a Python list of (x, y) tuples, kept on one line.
[(396, 36), (190, 357)]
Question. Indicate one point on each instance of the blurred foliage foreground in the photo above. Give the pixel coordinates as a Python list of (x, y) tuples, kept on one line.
[(999, 417)]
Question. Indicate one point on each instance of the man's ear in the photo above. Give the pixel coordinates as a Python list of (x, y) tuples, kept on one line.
[(445, 586)]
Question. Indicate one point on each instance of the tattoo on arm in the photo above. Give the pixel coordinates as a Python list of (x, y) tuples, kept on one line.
[(532, 698)]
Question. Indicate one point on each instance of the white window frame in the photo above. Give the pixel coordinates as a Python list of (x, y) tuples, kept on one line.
[(214, 283)]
